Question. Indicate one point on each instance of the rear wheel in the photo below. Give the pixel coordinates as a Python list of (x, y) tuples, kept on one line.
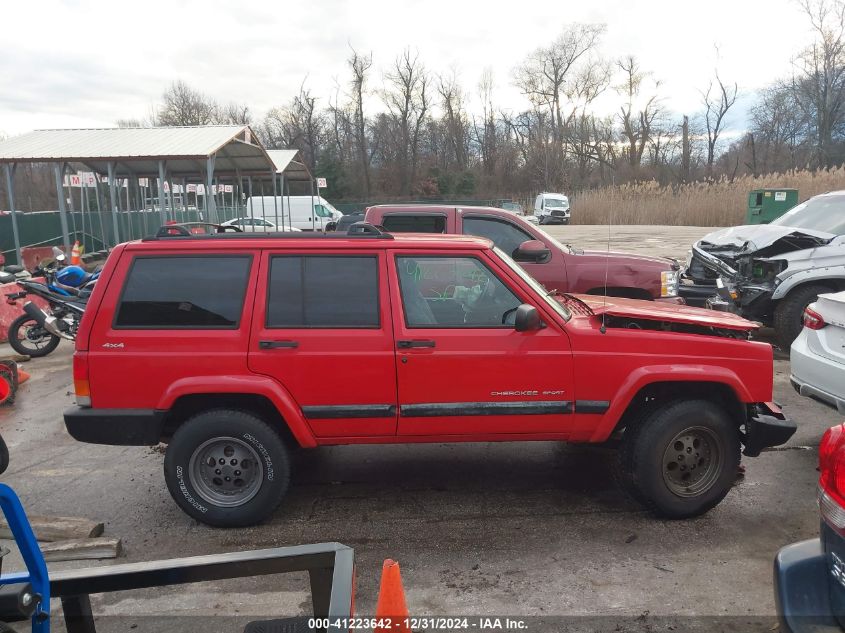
[(27, 337), (680, 460), (227, 468), (790, 311)]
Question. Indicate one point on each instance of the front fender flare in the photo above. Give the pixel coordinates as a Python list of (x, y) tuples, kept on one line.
[(644, 376), (820, 274), (250, 385)]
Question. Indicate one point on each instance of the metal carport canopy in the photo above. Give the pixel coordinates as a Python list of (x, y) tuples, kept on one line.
[(138, 151), (286, 163)]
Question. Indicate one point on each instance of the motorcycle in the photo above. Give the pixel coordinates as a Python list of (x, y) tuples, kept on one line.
[(36, 333)]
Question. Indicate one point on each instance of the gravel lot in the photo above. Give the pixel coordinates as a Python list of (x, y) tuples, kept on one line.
[(530, 529)]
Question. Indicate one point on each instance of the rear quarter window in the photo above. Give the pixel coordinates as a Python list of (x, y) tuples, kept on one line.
[(406, 223), (184, 292)]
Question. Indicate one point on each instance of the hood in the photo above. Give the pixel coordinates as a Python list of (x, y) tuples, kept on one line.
[(754, 237), (659, 311), (639, 261)]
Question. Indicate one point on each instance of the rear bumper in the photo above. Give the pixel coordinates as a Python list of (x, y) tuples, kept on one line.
[(116, 427), (815, 376), (765, 427), (802, 595)]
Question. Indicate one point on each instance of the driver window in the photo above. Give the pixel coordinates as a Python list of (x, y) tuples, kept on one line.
[(453, 292), (502, 233)]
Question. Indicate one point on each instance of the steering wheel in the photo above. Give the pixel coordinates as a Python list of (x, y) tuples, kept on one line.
[(507, 314)]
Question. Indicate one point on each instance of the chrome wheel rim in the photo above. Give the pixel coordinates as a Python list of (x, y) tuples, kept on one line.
[(226, 472), (692, 462)]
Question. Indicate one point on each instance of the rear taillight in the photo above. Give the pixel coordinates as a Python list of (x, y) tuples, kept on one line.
[(813, 320), (80, 379), (832, 477)]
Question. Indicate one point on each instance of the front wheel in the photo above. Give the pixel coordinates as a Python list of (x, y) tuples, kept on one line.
[(681, 459), (227, 468), (789, 313), (27, 337)]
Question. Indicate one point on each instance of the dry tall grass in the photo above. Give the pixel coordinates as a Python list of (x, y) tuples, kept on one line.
[(721, 203)]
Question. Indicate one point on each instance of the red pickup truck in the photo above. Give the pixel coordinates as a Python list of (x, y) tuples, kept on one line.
[(235, 347), (555, 265)]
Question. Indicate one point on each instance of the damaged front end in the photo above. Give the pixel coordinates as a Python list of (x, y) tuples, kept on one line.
[(727, 275), (750, 290)]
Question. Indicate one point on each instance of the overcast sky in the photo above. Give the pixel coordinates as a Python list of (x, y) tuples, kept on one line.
[(86, 63)]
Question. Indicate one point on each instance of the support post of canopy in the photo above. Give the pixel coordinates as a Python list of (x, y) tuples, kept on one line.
[(113, 203), (10, 192), (57, 169)]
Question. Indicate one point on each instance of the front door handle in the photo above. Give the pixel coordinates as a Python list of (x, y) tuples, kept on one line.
[(277, 344), (410, 344)]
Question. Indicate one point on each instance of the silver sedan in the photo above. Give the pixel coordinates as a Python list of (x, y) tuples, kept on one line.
[(817, 357)]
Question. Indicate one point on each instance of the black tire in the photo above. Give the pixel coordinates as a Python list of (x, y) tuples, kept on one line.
[(790, 310), (15, 332), (650, 445), (192, 483)]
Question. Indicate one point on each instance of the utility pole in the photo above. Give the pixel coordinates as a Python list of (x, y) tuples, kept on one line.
[(685, 150)]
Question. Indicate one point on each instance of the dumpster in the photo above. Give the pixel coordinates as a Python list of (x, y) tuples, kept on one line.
[(765, 205)]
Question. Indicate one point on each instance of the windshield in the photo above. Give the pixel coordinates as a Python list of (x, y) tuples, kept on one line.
[(822, 213), (567, 248), (557, 306), (557, 202)]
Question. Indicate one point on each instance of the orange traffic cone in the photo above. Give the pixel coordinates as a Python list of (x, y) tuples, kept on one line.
[(75, 258), (23, 376), (5, 389), (391, 609)]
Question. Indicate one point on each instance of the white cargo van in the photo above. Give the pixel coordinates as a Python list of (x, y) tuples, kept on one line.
[(552, 208), (309, 213)]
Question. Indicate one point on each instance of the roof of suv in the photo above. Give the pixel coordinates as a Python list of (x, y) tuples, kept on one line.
[(309, 240), (434, 208)]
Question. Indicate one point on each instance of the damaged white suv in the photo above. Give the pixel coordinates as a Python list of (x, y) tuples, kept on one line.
[(772, 272)]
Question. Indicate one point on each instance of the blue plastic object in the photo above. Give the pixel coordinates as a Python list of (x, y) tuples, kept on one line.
[(36, 568), (73, 276)]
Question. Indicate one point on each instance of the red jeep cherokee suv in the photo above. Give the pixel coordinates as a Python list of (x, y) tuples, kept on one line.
[(220, 345)]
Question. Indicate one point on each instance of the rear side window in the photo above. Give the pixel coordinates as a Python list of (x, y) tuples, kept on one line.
[(201, 292), (425, 223), (323, 292)]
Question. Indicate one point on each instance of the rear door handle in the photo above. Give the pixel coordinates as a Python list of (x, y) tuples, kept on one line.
[(410, 344), (277, 344)]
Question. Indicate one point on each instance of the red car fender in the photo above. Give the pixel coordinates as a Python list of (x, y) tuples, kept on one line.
[(250, 385), (645, 376)]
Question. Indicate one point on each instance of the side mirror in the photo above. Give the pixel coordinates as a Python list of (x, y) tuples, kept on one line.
[(527, 318), (532, 252)]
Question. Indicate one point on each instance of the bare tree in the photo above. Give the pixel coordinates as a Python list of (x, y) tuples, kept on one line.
[(299, 124), (234, 114), (820, 85), (484, 131), (546, 78), (360, 66), (717, 101), (407, 100), (780, 128), (182, 105), (455, 121), (639, 113)]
